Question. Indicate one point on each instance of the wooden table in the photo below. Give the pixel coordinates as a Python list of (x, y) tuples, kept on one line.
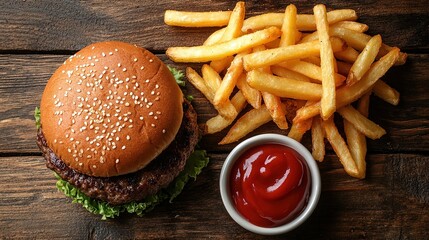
[(37, 36)]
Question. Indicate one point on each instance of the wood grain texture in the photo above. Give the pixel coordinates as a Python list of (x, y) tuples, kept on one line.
[(37, 36), (23, 78), (29, 203), (71, 25)]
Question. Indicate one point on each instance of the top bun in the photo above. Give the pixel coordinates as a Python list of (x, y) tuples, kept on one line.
[(110, 109)]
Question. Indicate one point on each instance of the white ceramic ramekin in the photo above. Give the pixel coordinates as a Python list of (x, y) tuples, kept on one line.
[(269, 139)]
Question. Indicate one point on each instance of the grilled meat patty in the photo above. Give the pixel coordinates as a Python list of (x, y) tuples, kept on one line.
[(134, 186)]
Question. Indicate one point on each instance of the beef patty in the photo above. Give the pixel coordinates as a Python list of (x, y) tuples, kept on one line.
[(138, 185)]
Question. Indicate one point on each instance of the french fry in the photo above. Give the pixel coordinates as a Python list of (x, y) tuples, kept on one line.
[(211, 77), (317, 139), (313, 60), (310, 70), (226, 109), (196, 19), (220, 65), (286, 73), (298, 129), (218, 123), (284, 87), (198, 82), (348, 94), (327, 62), (214, 37), (304, 22), (386, 92), (352, 25), (277, 55), (276, 43), (246, 124), (252, 95), (273, 102), (348, 55), (229, 80), (356, 140), (364, 60), (307, 69), (276, 109), (343, 68), (355, 26), (222, 50), (233, 30), (361, 123), (340, 147), (359, 40), (288, 27)]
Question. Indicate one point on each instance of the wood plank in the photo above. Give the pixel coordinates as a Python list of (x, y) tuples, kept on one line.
[(23, 78), (71, 25), (392, 203)]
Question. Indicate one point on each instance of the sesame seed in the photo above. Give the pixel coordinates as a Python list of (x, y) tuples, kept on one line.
[(163, 130), (94, 166), (141, 118), (80, 164), (123, 147), (117, 160), (103, 54), (151, 113), (135, 59), (150, 60), (128, 137), (153, 125), (142, 67), (124, 69)]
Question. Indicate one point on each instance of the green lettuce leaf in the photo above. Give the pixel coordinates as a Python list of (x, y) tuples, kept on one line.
[(194, 165), (37, 117), (178, 75)]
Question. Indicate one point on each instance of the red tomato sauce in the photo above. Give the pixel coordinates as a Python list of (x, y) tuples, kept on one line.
[(270, 185)]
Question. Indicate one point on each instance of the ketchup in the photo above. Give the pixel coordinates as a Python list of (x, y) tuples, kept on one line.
[(270, 185)]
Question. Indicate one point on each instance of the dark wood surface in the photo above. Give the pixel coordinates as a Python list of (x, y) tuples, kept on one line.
[(37, 36)]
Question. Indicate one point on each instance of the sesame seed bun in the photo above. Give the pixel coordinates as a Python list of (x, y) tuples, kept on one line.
[(110, 109)]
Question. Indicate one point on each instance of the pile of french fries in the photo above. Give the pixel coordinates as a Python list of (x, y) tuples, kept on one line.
[(320, 63)]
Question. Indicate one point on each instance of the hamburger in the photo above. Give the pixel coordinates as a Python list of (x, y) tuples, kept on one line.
[(117, 130)]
